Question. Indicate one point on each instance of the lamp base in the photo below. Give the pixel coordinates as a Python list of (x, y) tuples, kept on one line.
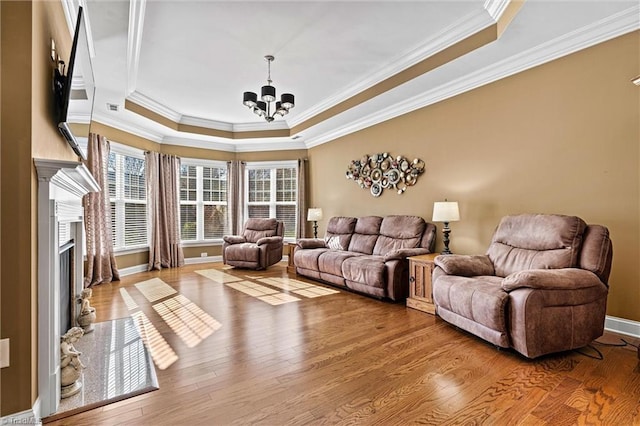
[(446, 231), (315, 229)]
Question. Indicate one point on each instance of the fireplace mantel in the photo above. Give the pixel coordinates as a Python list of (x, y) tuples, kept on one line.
[(62, 184)]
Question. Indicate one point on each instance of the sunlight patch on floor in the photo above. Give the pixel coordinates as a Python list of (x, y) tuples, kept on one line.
[(218, 276), (286, 286), (278, 298), (252, 289), (161, 352), (128, 300), (155, 289), (186, 319)]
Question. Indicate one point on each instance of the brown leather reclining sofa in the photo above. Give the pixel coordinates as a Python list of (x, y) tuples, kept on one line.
[(540, 288), (366, 254)]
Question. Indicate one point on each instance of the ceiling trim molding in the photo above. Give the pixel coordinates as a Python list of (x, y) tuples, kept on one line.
[(126, 127), (134, 41), (461, 29), (254, 146), (496, 8), (595, 33), (194, 143), (154, 106), (203, 122)]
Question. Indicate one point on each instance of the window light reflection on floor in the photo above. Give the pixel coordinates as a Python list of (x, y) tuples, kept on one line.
[(186, 319), (155, 289), (161, 353)]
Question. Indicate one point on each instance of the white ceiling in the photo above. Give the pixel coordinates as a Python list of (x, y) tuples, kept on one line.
[(190, 61)]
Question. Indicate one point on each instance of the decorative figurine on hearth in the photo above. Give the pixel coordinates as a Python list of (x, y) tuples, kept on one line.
[(87, 315), (70, 364)]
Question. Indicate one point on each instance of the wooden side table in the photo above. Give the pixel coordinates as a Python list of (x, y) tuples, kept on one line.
[(291, 267), (420, 290)]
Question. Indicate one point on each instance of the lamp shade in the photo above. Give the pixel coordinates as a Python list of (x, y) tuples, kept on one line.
[(446, 211), (314, 213)]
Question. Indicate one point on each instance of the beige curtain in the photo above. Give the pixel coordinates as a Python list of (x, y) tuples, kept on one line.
[(235, 196), (301, 232), (163, 176), (101, 261)]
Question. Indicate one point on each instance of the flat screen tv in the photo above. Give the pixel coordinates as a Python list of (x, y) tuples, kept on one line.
[(74, 92)]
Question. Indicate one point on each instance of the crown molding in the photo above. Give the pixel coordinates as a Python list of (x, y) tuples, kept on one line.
[(253, 146), (203, 122), (257, 126), (170, 114), (582, 38), (134, 41), (462, 28), (152, 105), (496, 8), (198, 143), (126, 127), (261, 145)]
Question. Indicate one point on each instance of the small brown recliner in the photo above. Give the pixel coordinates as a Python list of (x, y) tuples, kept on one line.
[(259, 246), (541, 287)]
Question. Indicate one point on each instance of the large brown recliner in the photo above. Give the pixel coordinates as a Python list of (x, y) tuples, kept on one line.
[(259, 246), (541, 288)]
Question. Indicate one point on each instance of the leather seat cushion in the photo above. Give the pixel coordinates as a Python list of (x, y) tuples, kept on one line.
[(479, 299), (369, 270)]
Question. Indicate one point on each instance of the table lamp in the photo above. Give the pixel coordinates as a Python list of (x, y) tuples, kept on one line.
[(446, 211), (314, 214)]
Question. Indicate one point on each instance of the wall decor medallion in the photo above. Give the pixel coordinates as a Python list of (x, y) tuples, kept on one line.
[(378, 172)]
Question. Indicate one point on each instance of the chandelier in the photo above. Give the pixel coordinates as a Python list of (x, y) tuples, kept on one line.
[(264, 107)]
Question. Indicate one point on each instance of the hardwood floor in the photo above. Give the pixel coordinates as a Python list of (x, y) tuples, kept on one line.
[(348, 359)]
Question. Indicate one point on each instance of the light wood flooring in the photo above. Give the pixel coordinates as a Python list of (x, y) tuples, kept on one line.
[(347, 359)]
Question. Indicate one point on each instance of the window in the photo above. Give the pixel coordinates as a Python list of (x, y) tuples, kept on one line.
[(203, 200), (128, 197), (271, 191)]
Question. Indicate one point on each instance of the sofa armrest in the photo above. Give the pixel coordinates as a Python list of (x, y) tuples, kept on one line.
[(269, 240), (400, 254), (311, 243), (465, 265), (551, 279), (234, 239)]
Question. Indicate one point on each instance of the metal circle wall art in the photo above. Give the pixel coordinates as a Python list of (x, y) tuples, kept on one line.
[(377, 172)]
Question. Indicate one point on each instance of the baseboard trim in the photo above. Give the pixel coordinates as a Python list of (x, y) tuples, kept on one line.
[(132, 270), (622, 326), (205, 259), (188, 261)]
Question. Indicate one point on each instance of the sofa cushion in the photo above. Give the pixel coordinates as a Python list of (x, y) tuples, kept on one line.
[(365, 234), (254, 229), (479, 299), (341, 228), (369, 270), (308, 258), (331, 261), (397, 232), (536, 242), (243, 252)]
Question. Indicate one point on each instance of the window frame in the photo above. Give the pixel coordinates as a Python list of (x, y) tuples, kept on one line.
[(200, 203), (119, 236), (272, 166)]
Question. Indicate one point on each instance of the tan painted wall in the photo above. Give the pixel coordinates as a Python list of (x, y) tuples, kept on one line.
[(27, 118), (560, 138)]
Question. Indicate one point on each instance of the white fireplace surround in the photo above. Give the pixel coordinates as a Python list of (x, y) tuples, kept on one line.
[(61, 186)]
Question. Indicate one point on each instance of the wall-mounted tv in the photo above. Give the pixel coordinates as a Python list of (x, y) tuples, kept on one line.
[(74, 92)]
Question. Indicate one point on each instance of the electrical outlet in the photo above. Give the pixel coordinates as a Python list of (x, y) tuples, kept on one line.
[(4, 353), (203, 254)]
